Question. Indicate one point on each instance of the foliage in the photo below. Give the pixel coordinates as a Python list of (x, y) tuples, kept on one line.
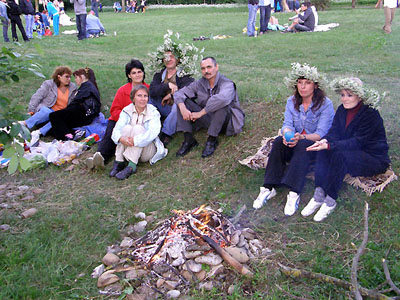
[(321, 4), (304, 71), (13, 64)]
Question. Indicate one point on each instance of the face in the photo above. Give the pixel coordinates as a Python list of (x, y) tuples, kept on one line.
[(140, 100), (349, 99), (208, 69), (136, 75), (303, 7), (80, 79), (65, 79), (170, 60), (305, 87)]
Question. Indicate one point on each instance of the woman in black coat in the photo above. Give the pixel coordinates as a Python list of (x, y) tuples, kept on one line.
[(355, 144)]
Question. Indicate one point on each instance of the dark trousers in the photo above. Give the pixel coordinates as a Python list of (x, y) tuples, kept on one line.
[(107, 145), (4, 23), (265, 14), (216, 121), (94, 7), (63, 121), (81, 26), (294, 174), (16, 20), (332, 166)]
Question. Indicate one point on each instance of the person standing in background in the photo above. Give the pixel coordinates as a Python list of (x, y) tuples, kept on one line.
[(53, 12), (94, 7), (28, 10), (13, 13), (4, 19), (389, 7), (251, 23), (80, 12), (265, 14)]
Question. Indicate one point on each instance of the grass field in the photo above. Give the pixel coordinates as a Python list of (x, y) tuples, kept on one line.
[(51, 255)]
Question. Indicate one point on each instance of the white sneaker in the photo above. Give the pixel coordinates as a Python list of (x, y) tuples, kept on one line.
[(310, 208), (89, 163), (262, 198), (35, 137), (292, 203), (98, 160), (323, 212)]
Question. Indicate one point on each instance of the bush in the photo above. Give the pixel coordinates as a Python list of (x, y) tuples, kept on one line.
[(321, 4)]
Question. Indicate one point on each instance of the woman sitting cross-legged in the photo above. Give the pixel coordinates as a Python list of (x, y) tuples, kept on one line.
[(136, 135), (308, 116), (355, 144), (54, 94), (83, 109)]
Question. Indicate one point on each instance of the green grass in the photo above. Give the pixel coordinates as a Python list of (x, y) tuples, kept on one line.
[(51, 255)]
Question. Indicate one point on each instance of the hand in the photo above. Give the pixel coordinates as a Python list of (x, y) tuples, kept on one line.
[(167, 100), (319, 145), (172, 87), (31, 113), (293, 141), (186, 114), (127, 141), (197, 115)]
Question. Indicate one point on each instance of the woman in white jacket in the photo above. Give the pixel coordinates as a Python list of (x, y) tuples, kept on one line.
[(136, 135)]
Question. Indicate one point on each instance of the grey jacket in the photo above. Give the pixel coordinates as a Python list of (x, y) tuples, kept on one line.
[(223, 94), (46, 95), (79, 6)]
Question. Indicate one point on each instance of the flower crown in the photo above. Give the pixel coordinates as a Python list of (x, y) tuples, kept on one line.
[(369, 96), (187, 55), (304, 71)]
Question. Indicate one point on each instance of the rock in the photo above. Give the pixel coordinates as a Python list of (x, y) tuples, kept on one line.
[(4, 227), (196, 247), (160, 282), (110, 259), (211, 259), (107, 278), (215, 270), (75, 161), (256, 247), (238, 254), (98, 271), (140, 226), (191, 254), (242, 241), (149, 219), (37, 190), (135, 297), (169, 284), (70, 168), (3, 187), (141, 187), (28, 198), (5, 205), (193, 266), (201, 275), (113, 288), (208, 286), (266, 251), (126, 242), (231, 289), (173, 294), (113, 249), (29, 213), (141, 272), (23, 188), (131, 274), (178, 262), (235, 238), (186, 274), (140, 215)]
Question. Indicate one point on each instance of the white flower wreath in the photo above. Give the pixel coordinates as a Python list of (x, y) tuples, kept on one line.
[(187, 55), (307, 72), (369, 96)]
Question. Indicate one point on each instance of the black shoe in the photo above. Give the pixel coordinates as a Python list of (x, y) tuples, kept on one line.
[(186, 147), (165, 138), (209, 148), (117, 167), (125, 173)]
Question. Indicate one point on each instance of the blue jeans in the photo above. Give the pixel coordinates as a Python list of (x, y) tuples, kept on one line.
[(90, 32), (5, 30), (40, 117), (29, 25), (169, 112), (251, 23), (81, 26), (265, 14)]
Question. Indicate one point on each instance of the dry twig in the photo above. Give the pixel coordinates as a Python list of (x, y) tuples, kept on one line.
[(388, 278)]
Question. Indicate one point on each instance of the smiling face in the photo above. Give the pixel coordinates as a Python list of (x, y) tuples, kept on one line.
[(64, 79), (306, 88), (208, 69), (136, 75), (140, 100), (170, 61), (349, 99)]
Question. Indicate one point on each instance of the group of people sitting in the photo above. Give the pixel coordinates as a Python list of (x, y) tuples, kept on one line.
[(131, 6)]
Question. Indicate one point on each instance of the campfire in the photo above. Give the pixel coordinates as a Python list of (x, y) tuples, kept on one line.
[(199, 246)]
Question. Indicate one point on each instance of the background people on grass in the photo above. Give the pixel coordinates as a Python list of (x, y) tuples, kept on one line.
[(28, 10), (14, 12), (93, 25), (265, 14), (80, 12), (308, 116), (355, 144), (54, 94), (94, 7), (305, 21), (251, 22), (135, 74), (38, 25), (84, 107), (142, 6), (53, 12), (389, 7), (211, 102), (117, 7), (4, 19), (136, 135)]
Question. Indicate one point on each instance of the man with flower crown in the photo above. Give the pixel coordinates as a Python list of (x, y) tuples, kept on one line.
[(211, 102)]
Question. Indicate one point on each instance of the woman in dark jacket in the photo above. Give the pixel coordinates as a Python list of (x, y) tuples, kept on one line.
[(355, 144), (14, 13), (83, 109)]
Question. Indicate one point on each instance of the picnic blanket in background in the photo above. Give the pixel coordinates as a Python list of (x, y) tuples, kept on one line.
[(369, 185), (325, 27)]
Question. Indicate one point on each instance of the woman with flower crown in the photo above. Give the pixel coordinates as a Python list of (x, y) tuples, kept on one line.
[(308, 117), (355, 144)]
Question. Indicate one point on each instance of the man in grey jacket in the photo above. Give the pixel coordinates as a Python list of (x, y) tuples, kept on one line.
[(80, 12), (210, 102)]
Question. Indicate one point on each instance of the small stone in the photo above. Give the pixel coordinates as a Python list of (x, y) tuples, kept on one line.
[(211, 259), (140, 226), (215, 270), (208, 286), (196, 247), (149, 219), (238, 254), (98, 271), (29, 213), (3, 187), (23, 188), (110, 259), (231, 289), (173, 294), (266, 251), (37, 190), (107, 278), (193, 266), (70, 168), (191, 254), (114, 287), (178, 262), (141, 187), (131, 274), (5, 205), (75, 161), (235, 238), (141, 272), (186, 274), (5, 227), (126, 242), (135, 297), (28, 198), (201, 275), (241, 242), (169, 284), (160, 282), (140, 215)]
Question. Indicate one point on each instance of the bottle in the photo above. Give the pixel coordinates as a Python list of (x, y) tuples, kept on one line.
[(91, 139)]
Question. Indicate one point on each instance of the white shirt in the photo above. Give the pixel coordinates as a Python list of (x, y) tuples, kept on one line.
[(390, 3)]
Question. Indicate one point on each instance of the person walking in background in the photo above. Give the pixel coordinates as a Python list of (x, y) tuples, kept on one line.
[(94, 7), (53, 12), (251, 22), (265, 14), (28, 10), (4, 19), (13, 13), (389, 7), (80, 12)]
